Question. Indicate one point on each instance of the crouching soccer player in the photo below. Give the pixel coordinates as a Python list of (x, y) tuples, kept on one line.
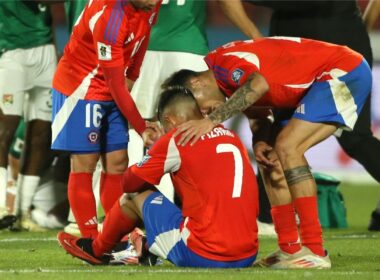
[(326, 85), (215, 183)]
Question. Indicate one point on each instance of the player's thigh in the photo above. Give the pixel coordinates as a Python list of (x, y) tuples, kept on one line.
[(115, 162), (299, 135), (13, 82), (156, 68), (77, 124), (146, 89), (114, 137), (162, 220), (42, 63)]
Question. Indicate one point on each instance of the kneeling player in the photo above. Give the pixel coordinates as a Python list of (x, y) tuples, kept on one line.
[(215, 183)]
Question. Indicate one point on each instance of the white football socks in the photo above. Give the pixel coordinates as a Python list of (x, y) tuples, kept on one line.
[(26, 188), (3, 187)]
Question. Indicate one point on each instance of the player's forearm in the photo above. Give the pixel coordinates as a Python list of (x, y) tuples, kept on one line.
[(116, 82), (132, 183), (235, 12), (251, 91), (371, 14)]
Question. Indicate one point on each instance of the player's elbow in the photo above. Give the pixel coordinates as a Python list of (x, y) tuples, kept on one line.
[(260, 84)]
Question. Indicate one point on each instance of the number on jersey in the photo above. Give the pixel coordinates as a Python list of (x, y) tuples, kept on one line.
[(238, 178)]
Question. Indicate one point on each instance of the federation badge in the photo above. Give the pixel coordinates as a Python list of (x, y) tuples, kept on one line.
[(104, 51), (236, 75), (93, 137), (8, 99), (144, 160)]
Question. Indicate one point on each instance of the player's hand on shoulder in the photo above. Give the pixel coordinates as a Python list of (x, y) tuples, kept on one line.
[(193, 130), (152, 133), (262, 153)]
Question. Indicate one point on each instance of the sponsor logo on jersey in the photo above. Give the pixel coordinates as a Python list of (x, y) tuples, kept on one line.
[(236, 75), (8, 99), (130, 38), (104, 51), (144, 160), (93, 137)]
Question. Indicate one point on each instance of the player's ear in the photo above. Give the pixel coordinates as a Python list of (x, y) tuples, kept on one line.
[(195, 83)]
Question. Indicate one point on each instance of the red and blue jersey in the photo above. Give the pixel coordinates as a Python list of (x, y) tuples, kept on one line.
[(217, 186), (109, 33), (290, 66)]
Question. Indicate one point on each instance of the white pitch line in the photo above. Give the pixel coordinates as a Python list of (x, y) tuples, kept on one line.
[(354, 236), (174, 270), (28, 239)]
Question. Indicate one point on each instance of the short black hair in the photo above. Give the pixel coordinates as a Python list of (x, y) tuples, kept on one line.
[(179, 78), (173, 94)]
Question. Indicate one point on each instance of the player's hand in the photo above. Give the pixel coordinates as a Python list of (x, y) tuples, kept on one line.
[(151, 134), (262, 150), (193, 130)]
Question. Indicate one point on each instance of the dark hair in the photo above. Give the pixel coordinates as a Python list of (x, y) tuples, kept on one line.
[(171, 95), (179, 78)]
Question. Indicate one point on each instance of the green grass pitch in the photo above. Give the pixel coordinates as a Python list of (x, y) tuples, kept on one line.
[(355, 254)]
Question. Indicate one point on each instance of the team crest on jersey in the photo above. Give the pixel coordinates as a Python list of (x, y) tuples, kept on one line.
[(8, 99), (93, 137), (236, 75), (144, 160), (104, 51)]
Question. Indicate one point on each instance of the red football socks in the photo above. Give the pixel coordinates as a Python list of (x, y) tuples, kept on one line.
[(110, 190), (82, 203), (116, 225), (284, 221), (310, 228)]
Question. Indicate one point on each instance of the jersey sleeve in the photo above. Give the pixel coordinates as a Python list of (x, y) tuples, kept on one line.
[(133, 71), (164, 157), (108, 34), (232, 69)]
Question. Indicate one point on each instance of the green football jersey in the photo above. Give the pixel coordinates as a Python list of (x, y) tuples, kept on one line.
[(24, 24), (181, 27), (73, 10)]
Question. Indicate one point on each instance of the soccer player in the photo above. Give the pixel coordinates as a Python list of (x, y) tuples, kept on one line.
[(217, 224), (73, 10), (178, 41), (337, 22), (325, 84), (27, 65), (91, 100)]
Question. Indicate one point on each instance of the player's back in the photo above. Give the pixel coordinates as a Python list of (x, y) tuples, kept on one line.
[(289, 64), (218, 190)]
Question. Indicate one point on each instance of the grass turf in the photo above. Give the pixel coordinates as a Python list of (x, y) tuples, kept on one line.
[(355, 254)]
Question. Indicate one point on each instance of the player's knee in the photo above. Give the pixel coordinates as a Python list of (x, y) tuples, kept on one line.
[(7, 131), (285, 149)]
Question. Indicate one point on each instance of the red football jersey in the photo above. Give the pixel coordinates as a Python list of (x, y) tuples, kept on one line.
[(109, 33), (289, 64), (217, 186)]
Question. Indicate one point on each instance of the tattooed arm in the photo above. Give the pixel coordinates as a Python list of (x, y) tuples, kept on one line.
[(251, 91), (245, 96)]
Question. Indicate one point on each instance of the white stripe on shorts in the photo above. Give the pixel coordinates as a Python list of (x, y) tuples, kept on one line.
[(344, 102), (68, 106), (165, 242)]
